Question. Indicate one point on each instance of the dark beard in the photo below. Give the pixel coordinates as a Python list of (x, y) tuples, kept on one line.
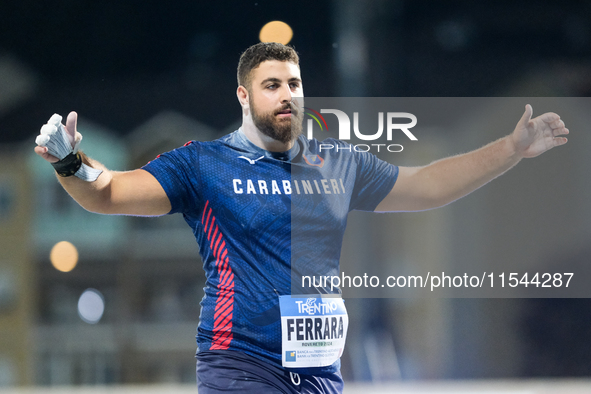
[(283, 130)]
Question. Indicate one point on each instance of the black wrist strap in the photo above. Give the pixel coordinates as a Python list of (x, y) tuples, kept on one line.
[(69, 165)]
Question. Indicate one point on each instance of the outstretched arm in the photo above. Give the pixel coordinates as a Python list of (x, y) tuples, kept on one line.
[(446, 180), (129, 193)]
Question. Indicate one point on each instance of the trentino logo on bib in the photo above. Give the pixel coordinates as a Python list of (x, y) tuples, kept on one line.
[(312, 308)]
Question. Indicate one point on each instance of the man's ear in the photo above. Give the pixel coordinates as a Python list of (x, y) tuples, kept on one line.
[(243, 96)]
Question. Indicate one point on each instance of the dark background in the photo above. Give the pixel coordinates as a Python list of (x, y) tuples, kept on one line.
[(118, 62)]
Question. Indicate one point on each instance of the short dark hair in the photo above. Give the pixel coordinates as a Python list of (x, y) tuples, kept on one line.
[(258, 53)]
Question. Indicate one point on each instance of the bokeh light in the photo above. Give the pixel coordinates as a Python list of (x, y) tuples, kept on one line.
[(276, 31), (64, 256), (91, 306)]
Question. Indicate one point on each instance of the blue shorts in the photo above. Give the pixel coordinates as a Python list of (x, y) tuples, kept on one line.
[(226, 371)]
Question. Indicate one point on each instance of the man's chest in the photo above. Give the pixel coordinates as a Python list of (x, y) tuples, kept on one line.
[(257, 193)]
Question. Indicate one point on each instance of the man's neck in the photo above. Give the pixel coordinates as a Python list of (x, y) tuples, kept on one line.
[(263, 141)]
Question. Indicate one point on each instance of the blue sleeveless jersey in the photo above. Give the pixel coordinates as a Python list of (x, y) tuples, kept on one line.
[(262, 220)]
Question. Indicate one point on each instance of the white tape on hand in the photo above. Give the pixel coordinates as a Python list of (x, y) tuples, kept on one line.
[(58, 143)]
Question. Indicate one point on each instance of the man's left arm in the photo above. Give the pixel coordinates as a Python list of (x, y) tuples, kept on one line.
[(446, 180)]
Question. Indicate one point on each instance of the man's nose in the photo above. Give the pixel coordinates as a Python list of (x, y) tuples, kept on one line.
[(285, 94)]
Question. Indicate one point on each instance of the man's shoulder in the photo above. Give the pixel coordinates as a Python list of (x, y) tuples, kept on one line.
[(225, 141), (230, 140)]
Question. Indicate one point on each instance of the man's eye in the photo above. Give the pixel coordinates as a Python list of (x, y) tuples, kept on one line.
[(271, 86)]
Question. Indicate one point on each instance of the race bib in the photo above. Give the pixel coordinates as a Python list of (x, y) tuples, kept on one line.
[(313, 329)]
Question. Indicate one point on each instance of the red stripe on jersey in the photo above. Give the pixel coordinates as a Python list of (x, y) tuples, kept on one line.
[(230, 277), (221, 306), (210, 228), (215, 240), (226, 277), (207, 221), (224, 253), (204, 209), (224, 309), (224, 306), (224, 320), (217, 243)]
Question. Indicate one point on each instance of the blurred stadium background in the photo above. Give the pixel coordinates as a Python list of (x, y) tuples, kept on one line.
[(147, 76)]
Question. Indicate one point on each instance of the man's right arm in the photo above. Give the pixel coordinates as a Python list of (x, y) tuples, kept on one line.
[(134, 192)]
